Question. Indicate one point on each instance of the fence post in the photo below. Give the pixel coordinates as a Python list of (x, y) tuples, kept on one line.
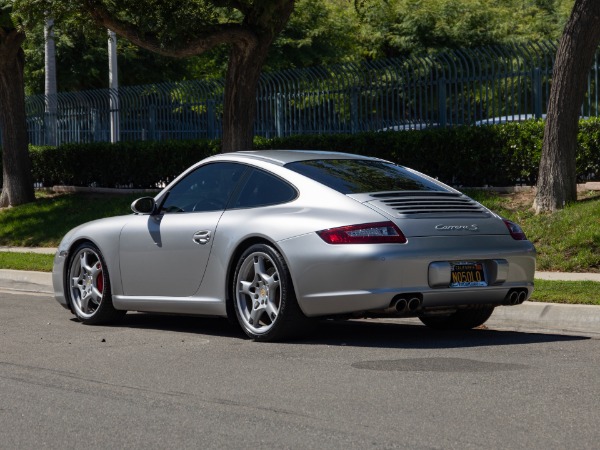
[(354, 111), (279, 115), (210, 119), (152, 123), (442, 102), (537, 92), (96, 126)]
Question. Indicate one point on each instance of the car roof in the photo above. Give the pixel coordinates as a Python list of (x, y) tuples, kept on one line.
[(282, 157)]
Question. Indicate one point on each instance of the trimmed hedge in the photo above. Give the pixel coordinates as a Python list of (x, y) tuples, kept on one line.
[(495, 155), (125, 164), (467, 156)]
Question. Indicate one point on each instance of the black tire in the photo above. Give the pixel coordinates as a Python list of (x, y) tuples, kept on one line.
[(463, 319), (87, 286), (263, 296)]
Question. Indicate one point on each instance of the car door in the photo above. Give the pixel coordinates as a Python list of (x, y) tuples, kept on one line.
[(165, 254)]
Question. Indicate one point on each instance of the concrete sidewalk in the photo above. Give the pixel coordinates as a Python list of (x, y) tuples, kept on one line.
[(568, 276), (43, 250)]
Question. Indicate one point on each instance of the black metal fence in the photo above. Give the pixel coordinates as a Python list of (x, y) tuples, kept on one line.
[(468, 86)]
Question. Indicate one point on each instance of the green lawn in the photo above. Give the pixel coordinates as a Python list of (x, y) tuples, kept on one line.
[(26, 261), (566, 241), (580, 292), (45, 222)]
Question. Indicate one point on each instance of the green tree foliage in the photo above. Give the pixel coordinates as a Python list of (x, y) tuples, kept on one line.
[(400, 27), (318, 32)]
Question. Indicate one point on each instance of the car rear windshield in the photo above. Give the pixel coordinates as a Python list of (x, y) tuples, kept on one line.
[(354, 176)]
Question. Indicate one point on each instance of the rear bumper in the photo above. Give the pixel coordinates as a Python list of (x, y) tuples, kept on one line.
[(351, 302), (338, 279)]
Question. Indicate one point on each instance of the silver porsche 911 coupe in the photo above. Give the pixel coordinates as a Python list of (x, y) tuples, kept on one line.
[(273, 239)]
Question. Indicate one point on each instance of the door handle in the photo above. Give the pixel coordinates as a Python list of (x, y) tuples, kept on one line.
[(201, 237)]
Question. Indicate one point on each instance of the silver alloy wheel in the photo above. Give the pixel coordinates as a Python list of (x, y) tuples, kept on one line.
[(86, 282), (258, 292)]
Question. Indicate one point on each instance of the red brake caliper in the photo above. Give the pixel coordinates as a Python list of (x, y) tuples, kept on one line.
[(100, 280)]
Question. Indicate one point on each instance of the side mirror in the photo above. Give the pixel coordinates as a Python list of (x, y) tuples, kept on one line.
[(144, 205)]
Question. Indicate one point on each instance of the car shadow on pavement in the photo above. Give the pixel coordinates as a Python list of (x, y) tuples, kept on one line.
[(375, 333), (407, 335), (213, 326)]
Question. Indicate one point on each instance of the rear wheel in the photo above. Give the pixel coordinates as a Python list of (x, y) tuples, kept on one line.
[(463, 319), (88, 286), (263, 296)]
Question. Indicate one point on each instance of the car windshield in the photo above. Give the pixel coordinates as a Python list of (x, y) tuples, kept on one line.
[(354, 176)]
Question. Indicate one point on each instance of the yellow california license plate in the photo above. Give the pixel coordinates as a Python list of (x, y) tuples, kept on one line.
[(467, 274)]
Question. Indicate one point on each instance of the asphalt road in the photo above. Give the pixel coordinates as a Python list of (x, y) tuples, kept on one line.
[(173, 382)]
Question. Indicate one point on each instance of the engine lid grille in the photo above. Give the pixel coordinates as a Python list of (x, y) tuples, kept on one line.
[(427, 204)]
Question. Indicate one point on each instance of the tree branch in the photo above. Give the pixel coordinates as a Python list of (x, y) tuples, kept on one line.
[(220, 34)]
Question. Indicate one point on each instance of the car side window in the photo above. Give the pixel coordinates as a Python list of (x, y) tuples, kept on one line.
[(208, 188), (264, 189)]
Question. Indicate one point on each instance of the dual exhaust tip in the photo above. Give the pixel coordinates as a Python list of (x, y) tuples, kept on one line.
[(404, 304), (515, 297), (412, 303)]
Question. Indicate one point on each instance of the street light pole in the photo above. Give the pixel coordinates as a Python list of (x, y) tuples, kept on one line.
[(113, 80), (50, 83)]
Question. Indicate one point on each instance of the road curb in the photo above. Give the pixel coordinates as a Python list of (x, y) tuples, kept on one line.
[(21, 280), (549, 317)]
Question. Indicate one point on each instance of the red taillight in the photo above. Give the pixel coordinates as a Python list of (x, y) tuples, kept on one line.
[(366, 233), (515, 230)]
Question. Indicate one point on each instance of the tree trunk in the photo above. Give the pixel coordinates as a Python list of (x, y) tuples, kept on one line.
[(17, 185), (239, 105), (557, 179), (246, 60)]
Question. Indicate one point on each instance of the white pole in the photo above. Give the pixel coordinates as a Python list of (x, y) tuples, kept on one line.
[(50, 82), (113, 80)]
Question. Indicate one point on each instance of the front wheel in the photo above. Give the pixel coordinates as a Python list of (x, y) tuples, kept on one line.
[(463, 319), (263, 296), (88, 286)]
